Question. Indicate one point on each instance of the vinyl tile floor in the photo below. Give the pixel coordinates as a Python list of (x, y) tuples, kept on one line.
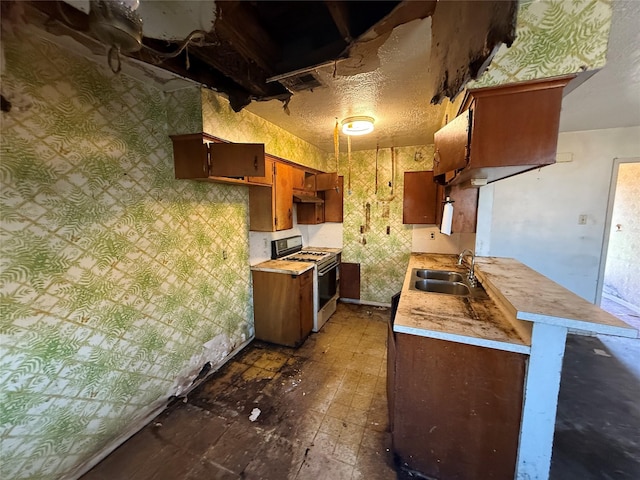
[(320, 412)]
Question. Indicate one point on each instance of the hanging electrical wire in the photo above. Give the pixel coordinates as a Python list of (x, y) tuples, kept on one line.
[(336, 144), (349, 162)]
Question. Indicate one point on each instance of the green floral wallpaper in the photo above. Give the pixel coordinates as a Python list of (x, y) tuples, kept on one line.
[(220, 120), (554, 37), (113, 275), (383, 258)]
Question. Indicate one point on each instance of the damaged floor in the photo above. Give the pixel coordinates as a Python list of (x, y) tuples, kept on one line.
[(320, 412)]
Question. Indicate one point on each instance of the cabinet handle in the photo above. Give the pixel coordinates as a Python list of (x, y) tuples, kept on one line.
[(255, 162), (289, 213), (436, 156)]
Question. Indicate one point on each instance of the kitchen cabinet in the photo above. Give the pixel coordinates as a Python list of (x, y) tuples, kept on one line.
[(267, 179), (326, 181), (334, 202), (283, 307), (327, 208), (298, 176), (350, 280), (271, 208), (310, 213), (202, 156), (419, 199), (502, 131), (465, 207), (455, 408)]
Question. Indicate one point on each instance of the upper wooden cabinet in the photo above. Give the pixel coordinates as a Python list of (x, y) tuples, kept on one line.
[(420, 198), (271, 208), (326, 181), (503, 131), (267, 179), (200, 155), (333, 202), (327, 208)]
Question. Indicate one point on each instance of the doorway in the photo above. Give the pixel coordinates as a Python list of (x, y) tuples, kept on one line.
[(620, 265)]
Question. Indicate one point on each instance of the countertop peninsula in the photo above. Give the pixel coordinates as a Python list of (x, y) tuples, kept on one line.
[(516, 297)]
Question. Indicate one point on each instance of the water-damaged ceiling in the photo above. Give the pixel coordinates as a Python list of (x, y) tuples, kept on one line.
[(302, 65)]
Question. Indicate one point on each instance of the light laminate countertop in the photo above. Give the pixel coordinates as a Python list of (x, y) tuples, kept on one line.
[(516, 297), (283, 266)]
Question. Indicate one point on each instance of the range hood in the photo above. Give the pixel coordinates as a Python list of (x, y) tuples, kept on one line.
[(301, 198)]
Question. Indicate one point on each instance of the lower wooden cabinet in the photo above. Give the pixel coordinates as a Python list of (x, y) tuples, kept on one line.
[(454, 409), (283, 307)]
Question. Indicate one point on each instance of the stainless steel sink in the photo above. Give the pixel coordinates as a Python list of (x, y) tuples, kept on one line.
[(441, 281), (444, 275), (441, 286)]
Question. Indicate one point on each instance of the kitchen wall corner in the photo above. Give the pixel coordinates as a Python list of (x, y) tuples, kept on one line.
[(118, 282)]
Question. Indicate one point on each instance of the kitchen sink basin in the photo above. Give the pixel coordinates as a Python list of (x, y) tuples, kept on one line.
[(441, 286), (438, 275)]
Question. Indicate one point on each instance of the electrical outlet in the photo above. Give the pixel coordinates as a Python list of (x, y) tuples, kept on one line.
[(433, 236), (582, 219)]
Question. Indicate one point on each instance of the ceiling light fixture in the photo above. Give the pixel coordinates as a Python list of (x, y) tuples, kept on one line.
[(358, 125)]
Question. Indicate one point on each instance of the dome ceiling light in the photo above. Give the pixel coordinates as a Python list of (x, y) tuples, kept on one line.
[(358, 125)]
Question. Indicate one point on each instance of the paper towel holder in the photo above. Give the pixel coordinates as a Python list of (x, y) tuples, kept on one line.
[(447, 199)]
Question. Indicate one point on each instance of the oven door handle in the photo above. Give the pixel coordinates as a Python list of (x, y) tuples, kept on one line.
[(327, 269)]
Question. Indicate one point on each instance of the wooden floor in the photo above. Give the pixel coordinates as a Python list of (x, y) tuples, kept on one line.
[(323, 414)]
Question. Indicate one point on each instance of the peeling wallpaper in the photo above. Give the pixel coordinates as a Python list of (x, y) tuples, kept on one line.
[(383, 258), (221, 121), (622, 272), (554, 37), (115, 289)]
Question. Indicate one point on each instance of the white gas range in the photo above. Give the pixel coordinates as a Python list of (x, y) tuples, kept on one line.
[(326, 278)]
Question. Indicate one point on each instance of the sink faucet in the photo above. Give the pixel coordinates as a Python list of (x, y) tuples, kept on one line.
[(472, 278)]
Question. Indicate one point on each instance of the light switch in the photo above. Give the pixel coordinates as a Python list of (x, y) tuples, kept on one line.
[(582, 219)]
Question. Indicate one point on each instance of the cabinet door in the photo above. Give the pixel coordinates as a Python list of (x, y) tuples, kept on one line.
[(310, 213), (306, 303), (452, 144), (276, 308), (326, 181), (333, 203), (283, 195), (456, 408), (190, 156), (236, 159), (202, 156), (419, 201), (268, 176), (297, 178), (465, 209)]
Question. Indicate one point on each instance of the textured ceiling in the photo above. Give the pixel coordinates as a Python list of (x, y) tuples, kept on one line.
[(396, 95)]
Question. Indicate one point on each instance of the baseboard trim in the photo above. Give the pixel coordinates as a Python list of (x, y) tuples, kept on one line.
[(364, 302), (155, 410), (619, 301)]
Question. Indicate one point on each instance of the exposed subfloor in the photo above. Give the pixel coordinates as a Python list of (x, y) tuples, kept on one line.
[(323, 414)]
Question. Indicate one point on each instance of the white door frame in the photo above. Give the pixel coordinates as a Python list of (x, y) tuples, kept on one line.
[(607, 222)]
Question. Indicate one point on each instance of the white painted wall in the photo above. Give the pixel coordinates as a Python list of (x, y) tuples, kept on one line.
[(323, 235), (533, 217), (422, 241)]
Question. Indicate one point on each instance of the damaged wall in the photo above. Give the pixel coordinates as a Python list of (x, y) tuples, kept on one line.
[(118, 282), (383, 257)]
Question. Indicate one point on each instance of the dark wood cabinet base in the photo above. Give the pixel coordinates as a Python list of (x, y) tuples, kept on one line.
[(455, 408)]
